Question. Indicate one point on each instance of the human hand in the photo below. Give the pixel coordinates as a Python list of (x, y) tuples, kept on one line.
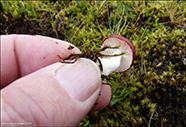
[(36, 88)]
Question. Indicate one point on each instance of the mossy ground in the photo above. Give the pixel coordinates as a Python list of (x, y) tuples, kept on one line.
[(153, 91)]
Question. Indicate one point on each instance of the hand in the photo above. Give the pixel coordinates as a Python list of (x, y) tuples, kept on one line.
[(37, 89)]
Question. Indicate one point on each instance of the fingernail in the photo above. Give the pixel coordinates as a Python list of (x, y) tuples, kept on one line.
[(80, 79)]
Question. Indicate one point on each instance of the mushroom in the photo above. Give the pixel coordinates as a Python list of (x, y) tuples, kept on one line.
[(116, 63), (115, 54)]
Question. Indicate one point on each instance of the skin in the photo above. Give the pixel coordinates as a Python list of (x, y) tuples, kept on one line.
[(38, 90)]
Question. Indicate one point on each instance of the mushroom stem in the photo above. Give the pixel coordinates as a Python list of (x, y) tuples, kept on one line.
[(110, 63)]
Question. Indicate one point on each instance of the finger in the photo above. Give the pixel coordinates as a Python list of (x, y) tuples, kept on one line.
[(103, 99), (24, 54), (57, 95)]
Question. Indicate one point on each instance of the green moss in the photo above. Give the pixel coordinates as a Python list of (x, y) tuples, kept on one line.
[(156, 84)]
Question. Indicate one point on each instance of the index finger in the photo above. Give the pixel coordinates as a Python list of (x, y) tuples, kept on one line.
[(24, 54)]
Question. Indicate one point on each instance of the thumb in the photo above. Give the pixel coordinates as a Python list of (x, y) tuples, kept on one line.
[(60, 94)]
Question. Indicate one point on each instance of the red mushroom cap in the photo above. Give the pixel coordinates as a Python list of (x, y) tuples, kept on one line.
[(125, 46)]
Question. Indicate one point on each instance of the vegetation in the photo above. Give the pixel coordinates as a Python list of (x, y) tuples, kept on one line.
[(153, 92)]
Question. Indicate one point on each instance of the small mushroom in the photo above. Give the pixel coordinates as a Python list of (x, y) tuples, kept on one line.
[(116, 62)]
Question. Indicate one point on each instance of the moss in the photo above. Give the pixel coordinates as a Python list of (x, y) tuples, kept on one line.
[(155, 85)]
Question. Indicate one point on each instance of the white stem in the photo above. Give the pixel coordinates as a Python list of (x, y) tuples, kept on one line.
[(110, 64)]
